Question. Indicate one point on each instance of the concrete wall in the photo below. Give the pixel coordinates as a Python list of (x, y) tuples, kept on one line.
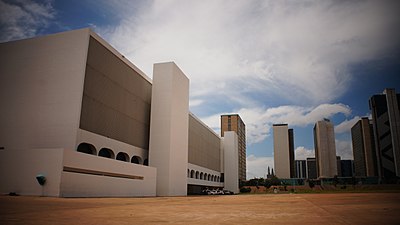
[(168, 150), (205, 181), (86, 175), (204, 145), (231, 177), (116, 98), (19, 168), (73, 174), (99, 142), (41, 84), (281, 151)]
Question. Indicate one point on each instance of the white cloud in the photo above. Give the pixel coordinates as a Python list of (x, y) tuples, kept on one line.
[(346, 125), (344, 149), (302, 153), (195, 102), (258, 166), (23, 19), (298, 50), (259, 120)]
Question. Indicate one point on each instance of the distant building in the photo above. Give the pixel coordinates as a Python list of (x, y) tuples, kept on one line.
[(233, 122), (364, 154), (386, 122), (311, 168), (325, 149), (338, 165), (347, 168), (283, 151), (300, 168)]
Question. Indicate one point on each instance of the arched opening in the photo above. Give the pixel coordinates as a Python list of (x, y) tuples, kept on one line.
[(107, 153), (197, 174), (188, 173), (192, 174), (201, 176), (205, 176), (209, 177), (146, 162), (87, 148), (136, 159), (218, 179), (122, 156)]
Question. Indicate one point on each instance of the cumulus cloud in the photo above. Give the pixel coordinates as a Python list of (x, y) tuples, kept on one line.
[(258, 166), (346, 125), (344, 149), (302, 153), (23, 19), (298, 50), (259, 120)]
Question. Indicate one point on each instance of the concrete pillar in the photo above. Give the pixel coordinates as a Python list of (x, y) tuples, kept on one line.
[(169, 127)]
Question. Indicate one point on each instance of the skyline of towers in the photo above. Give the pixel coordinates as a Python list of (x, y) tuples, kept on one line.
[(233, 122), (283, 151), (325, 149), (386, 125)]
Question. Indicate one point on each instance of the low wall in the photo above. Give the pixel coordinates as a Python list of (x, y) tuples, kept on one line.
[(73, 174)]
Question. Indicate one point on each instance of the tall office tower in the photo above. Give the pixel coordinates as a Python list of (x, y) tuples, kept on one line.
[(362, 135), (300, 168), (311, 168), (233, 122), (283, 151), (325, 149), (386, 122)]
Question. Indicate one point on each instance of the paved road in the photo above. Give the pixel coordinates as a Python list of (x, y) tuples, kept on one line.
[(346, 208)]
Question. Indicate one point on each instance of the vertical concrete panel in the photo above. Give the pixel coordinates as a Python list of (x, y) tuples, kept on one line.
[(41, 84), (230, 148), (169, 122)]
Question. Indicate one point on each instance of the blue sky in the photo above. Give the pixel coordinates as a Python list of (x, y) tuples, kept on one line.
[(292, 62)]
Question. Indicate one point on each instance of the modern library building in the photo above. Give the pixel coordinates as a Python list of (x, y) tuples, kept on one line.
[(80, 120)]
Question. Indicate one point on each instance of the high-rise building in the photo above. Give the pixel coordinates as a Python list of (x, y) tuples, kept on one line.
[(233, 122), (300, 168), (283, 151), (311, 168), (364, 154), (325, 149), (386, 122)]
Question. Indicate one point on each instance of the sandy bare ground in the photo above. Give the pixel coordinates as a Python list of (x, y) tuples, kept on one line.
[(346, 208)]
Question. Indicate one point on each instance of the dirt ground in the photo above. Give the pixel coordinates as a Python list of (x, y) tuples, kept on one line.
[(344, 208)]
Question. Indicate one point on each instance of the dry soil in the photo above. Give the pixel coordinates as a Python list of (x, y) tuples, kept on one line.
[(344, 208)]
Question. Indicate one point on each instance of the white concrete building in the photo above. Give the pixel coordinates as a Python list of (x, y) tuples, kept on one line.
[(77, 112), (325, 149)]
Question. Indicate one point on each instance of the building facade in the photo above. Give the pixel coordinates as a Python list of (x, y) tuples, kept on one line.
[(89, 121), (325, 149), (386, 123), (364, 154), (300, 169), (347, 168), (311, 168), (233, 122), (283, 151)]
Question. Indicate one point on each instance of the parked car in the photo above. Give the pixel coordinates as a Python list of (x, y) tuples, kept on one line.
[(227, 192)]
